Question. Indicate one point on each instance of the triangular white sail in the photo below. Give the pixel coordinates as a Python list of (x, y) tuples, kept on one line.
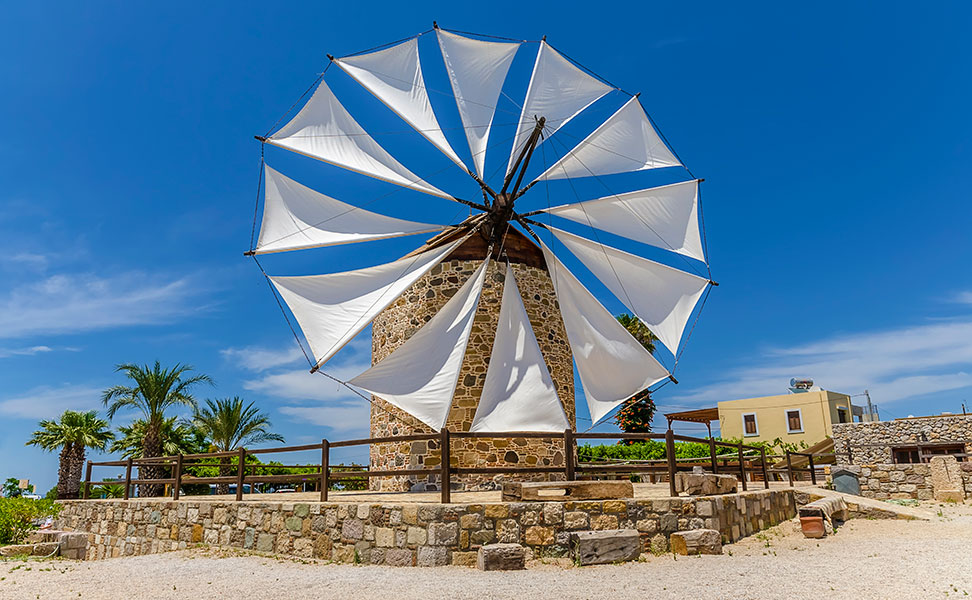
[(323, 129), (332, 309), (665, 216), (659, 295), (297, 217), (477, 70), (420, 376), (394, 76), (625, 142), (558, 91), (518, 394), (613, 365)]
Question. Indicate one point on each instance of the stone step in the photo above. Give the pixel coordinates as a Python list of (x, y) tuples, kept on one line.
[(605, 546)]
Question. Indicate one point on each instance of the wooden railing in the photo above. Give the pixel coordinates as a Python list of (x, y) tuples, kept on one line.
[(751, 459)]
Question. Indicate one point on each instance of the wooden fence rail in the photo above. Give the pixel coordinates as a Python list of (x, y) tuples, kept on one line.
[(325, 473)]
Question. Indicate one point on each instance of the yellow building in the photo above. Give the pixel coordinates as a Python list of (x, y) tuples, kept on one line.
[(799, 417)]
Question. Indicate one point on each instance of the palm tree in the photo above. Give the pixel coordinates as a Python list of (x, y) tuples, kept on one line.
[(72, 433), (178, 437), (156, 390), (228, 425), (636, 413)]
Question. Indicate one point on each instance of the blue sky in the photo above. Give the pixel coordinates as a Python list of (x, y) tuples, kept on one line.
[(834, 140)]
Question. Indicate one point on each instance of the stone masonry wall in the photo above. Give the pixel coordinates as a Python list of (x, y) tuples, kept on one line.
[(405, 534), (904, 481), (404, 317), (871, 442)]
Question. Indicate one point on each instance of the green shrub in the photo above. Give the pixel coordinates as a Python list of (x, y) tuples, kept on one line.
[(18, 516)]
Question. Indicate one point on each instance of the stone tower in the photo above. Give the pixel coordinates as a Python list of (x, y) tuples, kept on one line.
[(403, 318)]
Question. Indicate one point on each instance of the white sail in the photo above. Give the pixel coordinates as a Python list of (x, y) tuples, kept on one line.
[(297, 217), (332, 309), (558, 91), (323, 129), (625, 142), (665, 216), (662, 297), (420, 376), (613, 365), (477, 70), (518, 394), (394, 76)]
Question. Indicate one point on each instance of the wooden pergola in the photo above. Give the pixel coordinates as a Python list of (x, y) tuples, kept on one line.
[(699, 415)]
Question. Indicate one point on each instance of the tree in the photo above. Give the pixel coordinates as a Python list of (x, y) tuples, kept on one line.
[(11, 488), (229, 424), (155, 391), (72, 434), (637, 411), (178, 437)]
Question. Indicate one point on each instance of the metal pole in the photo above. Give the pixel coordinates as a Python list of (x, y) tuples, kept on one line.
[(87, 482), (813, 472), (445, 467), (762, 456), (178, 477), (128, 478), (742, 467), (325, 467), (569, 453), (240, 475), (789, 468), (670, 455), (712, 456)]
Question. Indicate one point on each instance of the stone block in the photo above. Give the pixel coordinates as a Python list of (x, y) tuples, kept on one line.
[(946, 479), (539, 536), (433, 556), (605, 546), (399, 557), (704, 484), (574, 490), (443, 534), (464, 559), (696, 541), (415, 536), (575, 520), (501, 557)]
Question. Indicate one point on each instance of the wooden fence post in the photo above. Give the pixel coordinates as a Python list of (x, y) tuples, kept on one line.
[(325, 466), (569, 453), (712, 455), (87, 482), (742, 467), (240, 475), (445, 476), (789, 468), (813, 471), (762, 456), (128, 478), (670, 455), (177, 477)]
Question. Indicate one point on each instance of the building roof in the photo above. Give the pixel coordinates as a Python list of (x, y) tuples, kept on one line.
[(700, 415)]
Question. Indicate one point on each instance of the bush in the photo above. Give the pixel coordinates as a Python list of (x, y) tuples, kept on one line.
[(18, 516)]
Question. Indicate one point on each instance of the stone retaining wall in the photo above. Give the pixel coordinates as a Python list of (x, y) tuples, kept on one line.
[(871, 442), (885, 481), (406, 534)]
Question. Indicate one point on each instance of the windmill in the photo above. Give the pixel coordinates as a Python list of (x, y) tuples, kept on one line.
[(469, 278)]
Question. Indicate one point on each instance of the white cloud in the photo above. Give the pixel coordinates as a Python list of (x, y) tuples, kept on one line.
[(48, 402), (894, 365), (342, 418), (30, 260), (963, 297), (76, 303), (31, 351), (254, 358)]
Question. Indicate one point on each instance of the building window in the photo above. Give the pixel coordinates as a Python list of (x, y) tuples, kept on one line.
[(750, 427), (841, 414), (794, 421)]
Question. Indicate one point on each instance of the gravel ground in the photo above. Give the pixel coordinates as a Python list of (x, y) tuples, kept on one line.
[(865, 559)]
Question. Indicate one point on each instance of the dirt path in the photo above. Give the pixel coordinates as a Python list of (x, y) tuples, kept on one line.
[(865, 559)]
